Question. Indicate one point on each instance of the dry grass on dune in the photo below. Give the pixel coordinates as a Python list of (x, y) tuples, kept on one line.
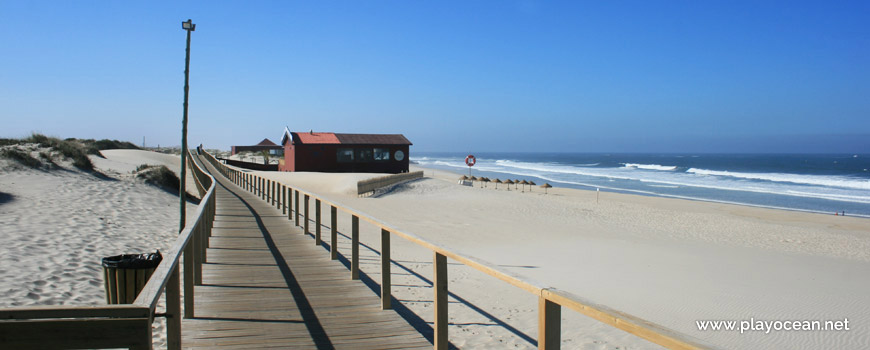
[(49, 149)]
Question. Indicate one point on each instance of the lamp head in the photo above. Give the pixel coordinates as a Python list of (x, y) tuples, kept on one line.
[(188, 25)]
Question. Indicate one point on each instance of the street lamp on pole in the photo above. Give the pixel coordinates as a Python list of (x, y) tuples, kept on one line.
[(189, 27)]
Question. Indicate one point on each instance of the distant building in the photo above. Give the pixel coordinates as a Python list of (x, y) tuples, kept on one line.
[(265, 145), (344, 153)]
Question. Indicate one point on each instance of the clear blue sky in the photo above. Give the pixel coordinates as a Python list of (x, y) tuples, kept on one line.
[(596, 76)]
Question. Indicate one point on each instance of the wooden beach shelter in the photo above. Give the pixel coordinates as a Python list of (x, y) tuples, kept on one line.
[(509, 183), (532, 184), (497, 181), (546, 186), (331, 152), (524, 183), (516, 183), (484, 180)]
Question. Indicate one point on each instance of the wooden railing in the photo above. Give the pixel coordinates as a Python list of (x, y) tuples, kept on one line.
[(550, 300), (370, 185), (124, 325)]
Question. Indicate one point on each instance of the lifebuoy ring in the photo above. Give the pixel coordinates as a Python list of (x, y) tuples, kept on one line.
[(470, 160)]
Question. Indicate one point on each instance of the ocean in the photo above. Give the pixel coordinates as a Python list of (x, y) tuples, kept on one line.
[(826, 183)]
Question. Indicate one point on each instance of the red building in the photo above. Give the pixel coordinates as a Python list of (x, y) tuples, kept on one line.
[(265, 145), (344, 153)]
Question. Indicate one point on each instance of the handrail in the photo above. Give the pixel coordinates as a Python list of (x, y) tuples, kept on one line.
[(123, 325), (550, 299), (370, 185), (150, 294)]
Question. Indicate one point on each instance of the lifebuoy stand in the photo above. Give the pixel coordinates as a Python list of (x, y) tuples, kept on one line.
[(470, 161)]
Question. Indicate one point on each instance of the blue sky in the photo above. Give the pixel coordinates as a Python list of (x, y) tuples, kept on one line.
[(476, 76)]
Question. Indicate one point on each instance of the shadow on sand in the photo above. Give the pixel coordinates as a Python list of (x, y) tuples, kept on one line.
[(6, 198)]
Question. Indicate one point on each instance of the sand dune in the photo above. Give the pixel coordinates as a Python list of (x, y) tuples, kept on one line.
[(59, 224)]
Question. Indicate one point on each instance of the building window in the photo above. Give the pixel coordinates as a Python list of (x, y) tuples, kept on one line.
[(400, 155), (382, 154), (363, 155), (345, 155)]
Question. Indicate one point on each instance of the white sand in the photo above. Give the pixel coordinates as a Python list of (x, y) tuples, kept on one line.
[(669, 261), (60, 223)]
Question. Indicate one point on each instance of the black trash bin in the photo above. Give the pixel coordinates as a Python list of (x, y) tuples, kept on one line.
[(126, 275)]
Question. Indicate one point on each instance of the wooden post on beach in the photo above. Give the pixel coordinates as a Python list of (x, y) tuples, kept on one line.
[(306, 231), (549, 325), (354, 248), (317, 221), (196, 238), (333, 234), (283, 199), (297, 207), (173, 311), (188, 280), (440, 288), (386, 294), (290, 203)]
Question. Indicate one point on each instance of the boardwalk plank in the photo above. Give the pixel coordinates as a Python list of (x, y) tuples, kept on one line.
[(265, 285)]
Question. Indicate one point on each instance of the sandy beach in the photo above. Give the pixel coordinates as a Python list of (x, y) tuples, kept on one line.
[(670, 261), (58, 224)]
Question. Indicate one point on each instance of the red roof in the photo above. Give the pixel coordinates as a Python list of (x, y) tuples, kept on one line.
[(349, 139), (374, 139), (266, 142), (316, 137)]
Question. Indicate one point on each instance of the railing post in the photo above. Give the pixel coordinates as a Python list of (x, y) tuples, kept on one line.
[(173, 311), (333, 234), (317, 240), (188, 280), (196, 237), (354, 248), (549, 324), (290, 203), (306, 231), (296, 193), (283, 199), (440, 288), (386, 284)]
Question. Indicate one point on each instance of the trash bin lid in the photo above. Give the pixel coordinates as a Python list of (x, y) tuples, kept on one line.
[(134, 261)]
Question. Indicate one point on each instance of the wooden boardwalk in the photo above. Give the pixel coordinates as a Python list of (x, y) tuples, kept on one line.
[(266, 285)]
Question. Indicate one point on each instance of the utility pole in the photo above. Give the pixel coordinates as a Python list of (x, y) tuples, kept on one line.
[(189, 27)]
